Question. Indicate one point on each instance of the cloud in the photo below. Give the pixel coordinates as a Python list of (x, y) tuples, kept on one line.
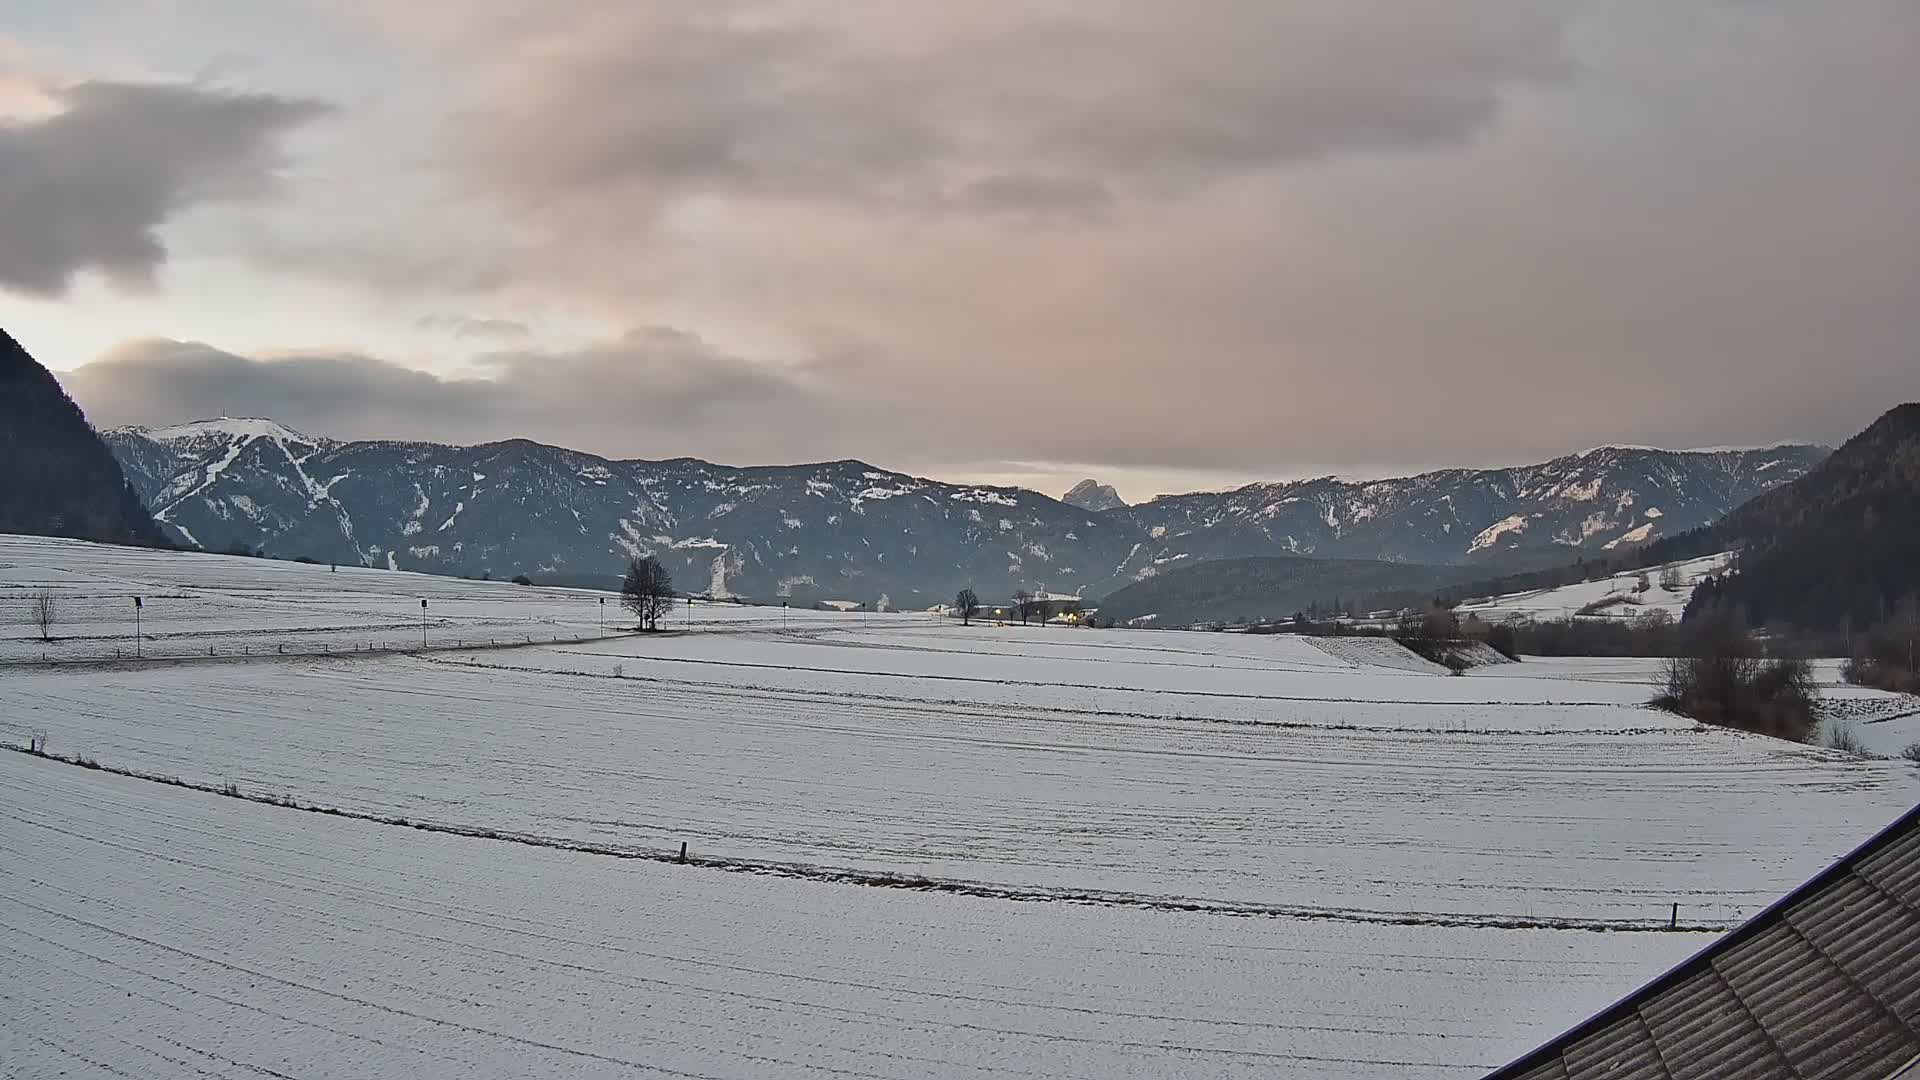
[(651, 392), (89, 186), (461, 326), (1276, 232), (1006, 103), (1234, 237)]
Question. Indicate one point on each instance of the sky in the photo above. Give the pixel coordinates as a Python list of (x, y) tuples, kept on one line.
[(1170, 246)]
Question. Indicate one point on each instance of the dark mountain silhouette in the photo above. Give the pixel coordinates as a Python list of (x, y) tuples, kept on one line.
[(1838, 545), (56, 477)]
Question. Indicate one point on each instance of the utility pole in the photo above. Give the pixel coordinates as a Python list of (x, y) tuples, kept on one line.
[(603, 616), (136, 628), (423, 622)]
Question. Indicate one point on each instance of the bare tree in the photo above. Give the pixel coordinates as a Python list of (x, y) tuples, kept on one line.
[(647, 592), (44, 614), (1670, 579), (967, 603), (1023, 603)]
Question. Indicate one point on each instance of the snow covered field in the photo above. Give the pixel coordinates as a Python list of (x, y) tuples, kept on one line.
[(196, 605), (1087, 812), (1618, 592), (168, 933)]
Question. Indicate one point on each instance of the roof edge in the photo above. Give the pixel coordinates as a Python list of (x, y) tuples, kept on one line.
[(1555, 1046)]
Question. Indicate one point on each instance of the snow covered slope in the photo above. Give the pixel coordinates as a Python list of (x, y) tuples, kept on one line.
[(1593, 502), (1615, 597)]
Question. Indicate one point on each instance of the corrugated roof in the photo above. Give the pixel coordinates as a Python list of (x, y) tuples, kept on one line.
[(1825, 983)]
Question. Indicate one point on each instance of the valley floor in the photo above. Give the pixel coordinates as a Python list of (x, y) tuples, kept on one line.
[(1137, 853)]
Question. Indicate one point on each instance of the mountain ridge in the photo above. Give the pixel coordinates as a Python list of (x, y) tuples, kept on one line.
[(1834, 547), (848, 528)]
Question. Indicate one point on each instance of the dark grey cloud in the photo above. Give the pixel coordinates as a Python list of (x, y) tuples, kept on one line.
[(1000, 106), (654, 391), (89, 187)]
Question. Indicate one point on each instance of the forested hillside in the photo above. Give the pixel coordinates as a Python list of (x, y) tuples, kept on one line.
[(56, 477)]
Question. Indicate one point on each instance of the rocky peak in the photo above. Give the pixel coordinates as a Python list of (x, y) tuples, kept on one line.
[(1092, 495)]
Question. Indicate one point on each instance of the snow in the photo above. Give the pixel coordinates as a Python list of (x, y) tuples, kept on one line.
[(195, 603), (1632, 447), (208, 477), (881, 494), (1491, 535), (1362, 652), (1441, 872), (1637, 535), (176, 933), (984, 495), (243, 429), (1583, 492), (1567, 600)]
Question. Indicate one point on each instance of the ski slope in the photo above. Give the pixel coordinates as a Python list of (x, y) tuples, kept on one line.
[(1123, 853)]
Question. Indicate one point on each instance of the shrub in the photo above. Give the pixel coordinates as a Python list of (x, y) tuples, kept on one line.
[(1912, 752), (1723, 681), (1600, 606), (1841, 737), (1865, 671), (522, 579), (1503, 639)]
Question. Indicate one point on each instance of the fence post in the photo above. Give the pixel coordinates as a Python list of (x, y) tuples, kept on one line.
[(1673, 922), (683, 851)]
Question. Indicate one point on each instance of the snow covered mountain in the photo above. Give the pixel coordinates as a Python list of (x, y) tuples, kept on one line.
[(846, 530), (834, 530), (1600, 500)]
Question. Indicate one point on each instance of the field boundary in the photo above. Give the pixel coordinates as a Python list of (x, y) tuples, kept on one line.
[(490, 643), (1236, 695), (1042, 711), (881, 879)]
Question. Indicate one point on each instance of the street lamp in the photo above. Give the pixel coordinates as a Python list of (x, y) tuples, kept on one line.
[(603, 616), (136, 628), (423, 622)]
